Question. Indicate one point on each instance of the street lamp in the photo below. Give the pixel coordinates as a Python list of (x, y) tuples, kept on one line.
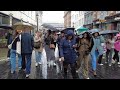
[(37, 21)]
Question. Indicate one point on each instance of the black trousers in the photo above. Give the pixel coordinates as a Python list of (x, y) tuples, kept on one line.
[(100, 59), (73, 69), (23, 61), (116, 56), (8, 54)]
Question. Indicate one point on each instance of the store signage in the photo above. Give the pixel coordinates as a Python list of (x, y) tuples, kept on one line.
[(117, 18)]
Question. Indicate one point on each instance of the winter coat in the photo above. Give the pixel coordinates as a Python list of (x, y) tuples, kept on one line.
[(97, 45), (27, 43), (66, 49)]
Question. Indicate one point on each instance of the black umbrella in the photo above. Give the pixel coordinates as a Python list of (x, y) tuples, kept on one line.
[(108, 32), (49, 27)]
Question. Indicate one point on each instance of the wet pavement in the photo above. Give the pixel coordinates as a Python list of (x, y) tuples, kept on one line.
[(103, 72)]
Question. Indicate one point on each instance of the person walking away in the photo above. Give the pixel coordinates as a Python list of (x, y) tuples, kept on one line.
[(110, 48), (85, 45), (52, 48), (60, 38), (47, 45), (13, 53), (68, 54), (99, 49), (9, 40), (26, 50), (38, 50), (117, 48)]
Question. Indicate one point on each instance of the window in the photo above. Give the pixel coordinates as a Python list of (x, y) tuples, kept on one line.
[(5, 20)]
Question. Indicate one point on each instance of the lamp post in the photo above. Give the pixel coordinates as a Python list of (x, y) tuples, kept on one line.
[(37, 21)]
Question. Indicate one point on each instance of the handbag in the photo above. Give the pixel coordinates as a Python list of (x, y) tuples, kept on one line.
[(10, 45), (37, 45), (52, 46)]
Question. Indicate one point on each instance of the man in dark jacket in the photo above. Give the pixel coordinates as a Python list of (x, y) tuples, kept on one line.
[(26, 50), (8, 36)]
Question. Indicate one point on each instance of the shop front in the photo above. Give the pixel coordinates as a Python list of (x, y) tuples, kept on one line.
[(113, 22)]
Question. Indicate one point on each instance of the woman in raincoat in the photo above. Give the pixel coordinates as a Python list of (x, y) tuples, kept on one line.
[(85, 46), (68, 53), (97, 50), (117, 48)]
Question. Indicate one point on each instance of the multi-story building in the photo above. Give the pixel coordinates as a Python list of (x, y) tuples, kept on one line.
[(113, 20), (77, 19), (88, 19), (9, 18), (67, 19), (99, 19)]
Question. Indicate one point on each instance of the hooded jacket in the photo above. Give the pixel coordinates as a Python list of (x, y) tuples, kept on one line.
[(66, 48)]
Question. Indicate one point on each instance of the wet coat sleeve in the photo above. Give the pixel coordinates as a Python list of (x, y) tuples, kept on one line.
[(61, 48), (32, 42)]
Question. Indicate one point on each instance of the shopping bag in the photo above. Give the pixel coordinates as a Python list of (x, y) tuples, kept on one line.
[(56, 52), (44, 64)]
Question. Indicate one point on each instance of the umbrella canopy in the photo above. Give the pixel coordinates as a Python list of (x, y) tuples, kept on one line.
[(108, 32), (49, 27), (94, 31), (82, 30), (21, 26)]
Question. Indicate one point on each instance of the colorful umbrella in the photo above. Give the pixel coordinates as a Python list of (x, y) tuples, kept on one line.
[(82, 30), (94, 31)]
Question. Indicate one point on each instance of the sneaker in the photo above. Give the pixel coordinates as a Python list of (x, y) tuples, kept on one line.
[(12, 72), (118, 62), (27, 75), (76, 71), (94, 73), (36, 64), (88, 78), (113, 61), (101, 64), (39, 63), (106, 62), (54, 64), (109, 64)]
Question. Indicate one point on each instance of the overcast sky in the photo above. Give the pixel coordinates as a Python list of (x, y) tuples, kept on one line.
[(53, 16)]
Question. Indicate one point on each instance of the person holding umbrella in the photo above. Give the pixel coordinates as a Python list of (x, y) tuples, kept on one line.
[(26, 46)]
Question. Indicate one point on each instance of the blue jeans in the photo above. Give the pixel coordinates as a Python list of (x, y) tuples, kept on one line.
[(13, 60), (94, 59), (27, 62), (38, 56)]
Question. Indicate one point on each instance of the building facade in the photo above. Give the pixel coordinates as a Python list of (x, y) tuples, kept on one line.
[(67, 19), (9, 18), (77, 19), (88, 19)]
